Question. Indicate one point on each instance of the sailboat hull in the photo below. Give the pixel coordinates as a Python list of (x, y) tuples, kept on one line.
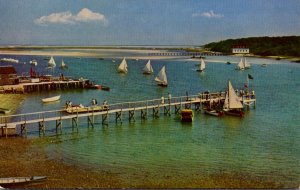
[(198, 70), (237, 113), (161, 84)]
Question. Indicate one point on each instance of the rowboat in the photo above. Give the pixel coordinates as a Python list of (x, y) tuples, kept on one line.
[(51, 99), (15, 180), (214, 113), (4, 110)]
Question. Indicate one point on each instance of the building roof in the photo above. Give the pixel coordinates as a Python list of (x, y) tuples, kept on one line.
[(239, 46), (7, 70)]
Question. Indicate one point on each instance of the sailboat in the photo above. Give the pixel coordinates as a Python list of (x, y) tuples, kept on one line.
[(247, 64), (63, 65), (148, 68), (123, 66), (161, 78), (232, 104), (243, 64), (51, 62), (201, 66)]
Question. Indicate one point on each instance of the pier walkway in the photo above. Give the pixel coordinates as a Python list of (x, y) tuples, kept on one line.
[(122, 110)]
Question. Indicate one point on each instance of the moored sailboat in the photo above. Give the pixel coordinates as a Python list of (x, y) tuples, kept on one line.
[(232, 104), (148, 68), (201, 66), (51, 62), (243, 64), (123, 66), (63, 65), (161, 78)]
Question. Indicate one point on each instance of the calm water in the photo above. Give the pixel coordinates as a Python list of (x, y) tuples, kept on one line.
[(264, 144)]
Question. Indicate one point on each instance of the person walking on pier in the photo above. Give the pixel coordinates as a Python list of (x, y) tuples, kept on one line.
[(169, 97), (162, 100)]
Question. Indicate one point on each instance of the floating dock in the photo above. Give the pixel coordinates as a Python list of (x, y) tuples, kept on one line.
[(138, 109)]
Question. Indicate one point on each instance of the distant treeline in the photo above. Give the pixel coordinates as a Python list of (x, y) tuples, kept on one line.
[(264, 46)]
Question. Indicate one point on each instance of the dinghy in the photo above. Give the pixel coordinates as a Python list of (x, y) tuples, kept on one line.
[(187, 115), (161, 78), (51, 99), (15, 180)]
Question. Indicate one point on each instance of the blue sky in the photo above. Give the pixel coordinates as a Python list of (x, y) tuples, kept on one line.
[(143, 22)]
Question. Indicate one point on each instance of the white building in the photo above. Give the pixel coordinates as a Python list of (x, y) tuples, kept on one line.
[(240, 49)]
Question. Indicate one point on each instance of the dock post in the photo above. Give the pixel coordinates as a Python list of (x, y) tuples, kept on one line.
[(119, 116), (197, 106), (155, 111), (42, 126), (167, 110), (131, 115), (59, 123), (24, 128), (105, 118), (91, 121)]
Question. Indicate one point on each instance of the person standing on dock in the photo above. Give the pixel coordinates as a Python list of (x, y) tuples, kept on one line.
[(162, 100), (169, 97)]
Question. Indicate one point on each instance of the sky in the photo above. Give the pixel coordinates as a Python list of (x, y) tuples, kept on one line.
[(143, 22)]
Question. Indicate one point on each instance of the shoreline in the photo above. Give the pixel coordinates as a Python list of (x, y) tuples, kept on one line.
[(111, 52)]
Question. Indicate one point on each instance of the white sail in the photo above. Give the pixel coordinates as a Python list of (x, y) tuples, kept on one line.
[(232, 100), (202, 65), (148, 68), (51, 62), (241, 65), (162, 77), (123, 66), (246, 64), (62, 63)]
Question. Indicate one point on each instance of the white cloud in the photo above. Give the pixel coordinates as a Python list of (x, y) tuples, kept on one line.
[(209, 14), (84, 15)]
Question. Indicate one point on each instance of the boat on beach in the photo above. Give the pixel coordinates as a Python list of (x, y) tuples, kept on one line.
[(51, 99), (161, 78), (148, 68), (5, 111), (232, 104), (17, 180), (123, 66)]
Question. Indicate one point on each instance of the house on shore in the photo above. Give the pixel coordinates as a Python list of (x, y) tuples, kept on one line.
[(8, 75), (240, 49)]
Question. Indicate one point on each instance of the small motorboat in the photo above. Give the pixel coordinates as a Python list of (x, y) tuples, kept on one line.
[(15, 180), (51, 99), (93, 86), (106, 88), (187, 115), (264, 65)]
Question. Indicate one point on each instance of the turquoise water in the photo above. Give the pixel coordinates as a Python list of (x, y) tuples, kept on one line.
[(264, 144)]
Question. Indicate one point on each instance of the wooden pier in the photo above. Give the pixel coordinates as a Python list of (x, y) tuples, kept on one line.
[(44, 86), (129, 110)]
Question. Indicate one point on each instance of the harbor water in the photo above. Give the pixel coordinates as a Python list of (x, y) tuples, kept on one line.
[(264, 144)]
